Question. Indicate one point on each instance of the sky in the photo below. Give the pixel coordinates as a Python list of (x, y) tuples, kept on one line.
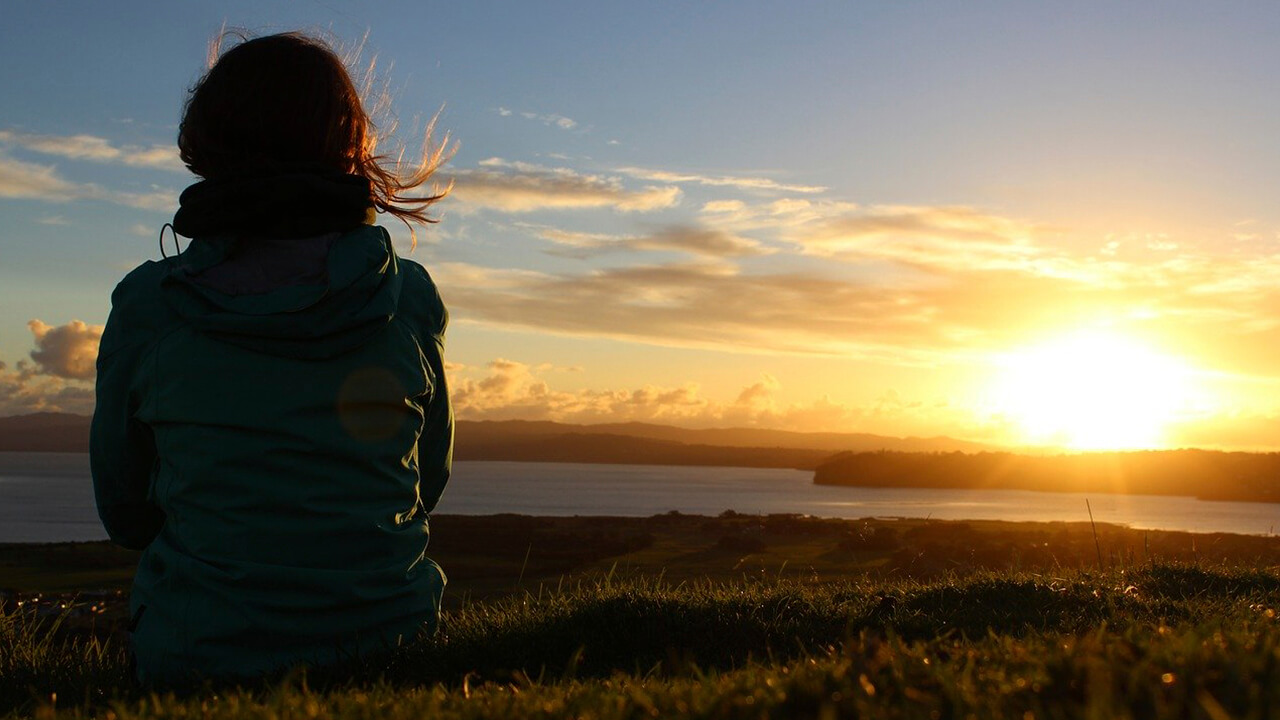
[(1048, 224)]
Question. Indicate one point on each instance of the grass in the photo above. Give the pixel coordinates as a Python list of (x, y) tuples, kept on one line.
[(1160, 641)]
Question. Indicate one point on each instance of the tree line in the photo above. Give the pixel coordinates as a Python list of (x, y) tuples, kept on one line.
[(1206, 474)]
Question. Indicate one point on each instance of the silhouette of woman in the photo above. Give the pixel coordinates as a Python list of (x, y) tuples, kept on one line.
[(272, 424)]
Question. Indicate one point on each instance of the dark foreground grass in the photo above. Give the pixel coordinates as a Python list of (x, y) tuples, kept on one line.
[(1161, 642)]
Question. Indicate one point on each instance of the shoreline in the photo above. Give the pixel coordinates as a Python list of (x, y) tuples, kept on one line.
[(487, 557)]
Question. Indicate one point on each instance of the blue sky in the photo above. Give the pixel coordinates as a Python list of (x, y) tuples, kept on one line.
[(844, 216)]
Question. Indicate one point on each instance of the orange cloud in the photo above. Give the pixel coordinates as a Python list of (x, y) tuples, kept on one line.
[(66, 351), (24, 389), (716, 305), (508, 390), (59, 374)]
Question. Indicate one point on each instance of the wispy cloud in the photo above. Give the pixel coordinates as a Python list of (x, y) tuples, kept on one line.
[(936, 238), (697, 241), (32, 181), (20, 179), (549, 119), (560, 121), (96, 149), (950, 237), (782, 215), (734, 181), (523, 187), (159, 200), (698, 304), (909, 284), (907, 287)]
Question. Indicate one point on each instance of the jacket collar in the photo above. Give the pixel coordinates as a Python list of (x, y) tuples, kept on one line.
[(289, 204)]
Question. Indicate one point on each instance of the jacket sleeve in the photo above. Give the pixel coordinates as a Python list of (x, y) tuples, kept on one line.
[(435, 446), (121, 448)]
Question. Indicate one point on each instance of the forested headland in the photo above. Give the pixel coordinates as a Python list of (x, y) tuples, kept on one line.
[(1205, 474)]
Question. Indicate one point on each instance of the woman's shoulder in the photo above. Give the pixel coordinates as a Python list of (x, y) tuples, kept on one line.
[(138, 308), (139, 293), (144, 278), (420, 296), (417, 274)]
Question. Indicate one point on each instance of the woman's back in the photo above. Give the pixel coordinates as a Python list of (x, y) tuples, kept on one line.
[(287, 466), (273, 427)]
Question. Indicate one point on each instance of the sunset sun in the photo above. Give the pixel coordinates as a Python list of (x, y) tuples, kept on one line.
[(1092, 391)]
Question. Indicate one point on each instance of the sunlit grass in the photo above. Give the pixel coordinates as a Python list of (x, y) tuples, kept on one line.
[(1157, 642)]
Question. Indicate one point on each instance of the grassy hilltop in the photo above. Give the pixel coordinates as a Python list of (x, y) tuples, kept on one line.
[(754, 617)]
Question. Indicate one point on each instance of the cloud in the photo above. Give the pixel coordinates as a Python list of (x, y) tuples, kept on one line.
[(31, 181), (26, 180), (159, 200), (935, 237), (521, 187), (741, 182), (783, 215), (509, 390), (514, 390), (704, 242), (961, 309), (761, 394), (548, 119), (700, 304), (59, 375), (559, 121), (96, 149), (25, 390), (950, 237), (907, 285), (66, 351)]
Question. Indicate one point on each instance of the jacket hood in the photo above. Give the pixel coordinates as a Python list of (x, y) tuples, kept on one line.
[(333, 301)]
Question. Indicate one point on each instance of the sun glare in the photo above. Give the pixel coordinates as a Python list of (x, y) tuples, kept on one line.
[(1092, 391)]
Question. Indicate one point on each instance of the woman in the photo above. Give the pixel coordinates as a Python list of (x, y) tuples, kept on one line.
[(272, 424)]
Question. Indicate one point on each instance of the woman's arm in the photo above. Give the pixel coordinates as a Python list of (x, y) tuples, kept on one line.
[(435, 447), (122, 449)]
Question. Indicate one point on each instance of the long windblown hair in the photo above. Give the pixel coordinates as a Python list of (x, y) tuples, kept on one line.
[(286, 102)]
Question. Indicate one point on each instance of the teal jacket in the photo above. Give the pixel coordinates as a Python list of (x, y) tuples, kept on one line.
[(275, 451)]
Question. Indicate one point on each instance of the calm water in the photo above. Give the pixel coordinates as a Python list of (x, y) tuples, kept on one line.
[(47, 497)]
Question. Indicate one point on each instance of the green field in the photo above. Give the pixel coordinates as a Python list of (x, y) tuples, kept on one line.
[(738, 617)]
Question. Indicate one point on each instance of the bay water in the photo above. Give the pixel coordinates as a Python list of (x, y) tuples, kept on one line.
[(48, 497)]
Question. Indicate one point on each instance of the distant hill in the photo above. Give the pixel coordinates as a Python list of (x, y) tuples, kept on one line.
[(45, 432), (608, 448), (535, 441), (485, 432)]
